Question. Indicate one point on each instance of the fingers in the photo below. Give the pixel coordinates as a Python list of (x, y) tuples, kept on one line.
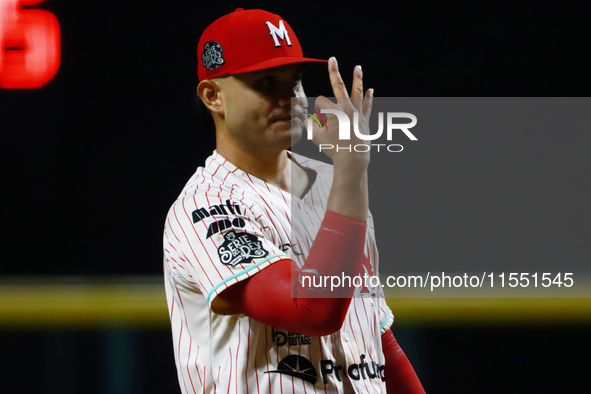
[(357, 102), (357, 90), (338, 86), (367, 103)]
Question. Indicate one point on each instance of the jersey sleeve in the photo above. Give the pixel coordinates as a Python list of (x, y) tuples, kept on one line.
[(214, 241), (386, 315)]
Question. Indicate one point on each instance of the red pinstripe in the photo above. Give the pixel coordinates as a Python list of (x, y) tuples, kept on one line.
[(178, 352), (314, 206), (204, 369), (247, 357), (212, 240), (267, 360), (173, 233), (310, 357), (323, 357), (172, 309), (197, 368), (362, 338), (370, 323), (326, 191), (201, 242), (359, 324), (256, 370), (334, 352), (287, 206), (277, 350), (216, 171), (238, 351), (366, 350), (190, 343), (191, 247), (252, 186), (230, 377)]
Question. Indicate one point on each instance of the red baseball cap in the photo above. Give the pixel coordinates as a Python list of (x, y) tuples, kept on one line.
[(245, 41)]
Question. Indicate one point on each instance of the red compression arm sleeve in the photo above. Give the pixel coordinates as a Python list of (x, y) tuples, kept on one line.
[(400, 375), (266, 296)]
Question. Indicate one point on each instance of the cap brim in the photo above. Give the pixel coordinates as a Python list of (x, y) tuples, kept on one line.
[(276, 62)]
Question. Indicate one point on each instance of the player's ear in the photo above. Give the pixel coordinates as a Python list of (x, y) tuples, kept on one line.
[(210, 93)]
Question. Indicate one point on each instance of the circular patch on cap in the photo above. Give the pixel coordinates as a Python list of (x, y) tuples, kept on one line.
[(213, 55)]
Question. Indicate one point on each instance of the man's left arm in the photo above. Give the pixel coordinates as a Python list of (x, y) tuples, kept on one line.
[(399, 373)]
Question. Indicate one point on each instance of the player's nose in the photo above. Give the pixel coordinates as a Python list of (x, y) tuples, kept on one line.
[(285, 99)]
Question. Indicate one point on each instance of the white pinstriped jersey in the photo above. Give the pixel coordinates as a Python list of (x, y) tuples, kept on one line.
[(226, 226)]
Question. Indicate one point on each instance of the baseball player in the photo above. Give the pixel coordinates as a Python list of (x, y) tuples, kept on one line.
[(257, 215)]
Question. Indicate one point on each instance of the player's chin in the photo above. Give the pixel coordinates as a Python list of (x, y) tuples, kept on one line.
[(296, 130)]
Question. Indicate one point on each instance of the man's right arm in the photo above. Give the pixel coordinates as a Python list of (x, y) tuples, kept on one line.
[(267, 296)]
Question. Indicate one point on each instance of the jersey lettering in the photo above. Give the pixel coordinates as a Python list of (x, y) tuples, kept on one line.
[(363, 370), (282, 338), (224, 224), (202, 213)]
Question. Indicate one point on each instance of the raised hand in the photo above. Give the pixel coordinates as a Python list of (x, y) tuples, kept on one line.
[(357, 104)]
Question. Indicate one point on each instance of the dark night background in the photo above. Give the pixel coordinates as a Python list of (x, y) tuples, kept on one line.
[(91, 162)]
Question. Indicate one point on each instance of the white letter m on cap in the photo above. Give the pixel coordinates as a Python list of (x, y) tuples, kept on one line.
[(280, 32)]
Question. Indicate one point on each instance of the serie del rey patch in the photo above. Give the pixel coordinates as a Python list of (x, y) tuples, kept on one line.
[(240, 248)]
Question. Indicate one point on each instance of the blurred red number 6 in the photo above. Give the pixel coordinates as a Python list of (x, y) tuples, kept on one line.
[(29, 45)]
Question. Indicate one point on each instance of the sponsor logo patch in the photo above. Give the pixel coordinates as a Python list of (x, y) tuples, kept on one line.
[(229, 208), (363, 370), (298, 367), (293, 339), (240, 248)]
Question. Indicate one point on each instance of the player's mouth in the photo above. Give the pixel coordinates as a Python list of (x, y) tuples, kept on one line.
[(282, 119), (286, 123), (285, 118), (293, 115)]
